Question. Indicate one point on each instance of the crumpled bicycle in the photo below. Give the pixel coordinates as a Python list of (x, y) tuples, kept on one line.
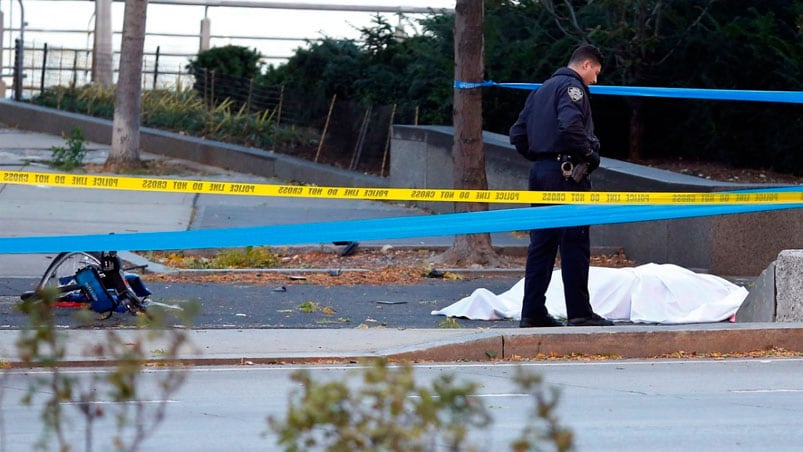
[(94, 279)]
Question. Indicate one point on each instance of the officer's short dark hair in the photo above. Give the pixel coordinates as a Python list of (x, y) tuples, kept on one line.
[(586, 52)]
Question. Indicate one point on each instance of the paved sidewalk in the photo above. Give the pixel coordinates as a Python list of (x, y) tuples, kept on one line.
[(38, 210), (282, 346)]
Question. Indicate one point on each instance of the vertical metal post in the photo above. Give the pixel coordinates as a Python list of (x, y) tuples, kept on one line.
[(102, 52), (61, 65), (18, 75), (156, 68), (17, 70), (44, 70), (2, 32), (206, 32), (75, 68)]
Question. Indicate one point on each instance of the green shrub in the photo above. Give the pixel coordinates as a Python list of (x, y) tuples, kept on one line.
[(222, 73), (96, 100), (184, 111), (180, 111), (250, 257), (236, 61), (72, 156)]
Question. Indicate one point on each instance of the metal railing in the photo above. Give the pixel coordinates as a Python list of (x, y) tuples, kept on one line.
[(49, 65)]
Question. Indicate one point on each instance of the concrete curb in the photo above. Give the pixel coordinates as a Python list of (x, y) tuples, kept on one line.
[(630, 341), (267, 347)]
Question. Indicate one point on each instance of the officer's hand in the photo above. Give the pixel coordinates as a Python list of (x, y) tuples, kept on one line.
[(594, 144), (592, 158)]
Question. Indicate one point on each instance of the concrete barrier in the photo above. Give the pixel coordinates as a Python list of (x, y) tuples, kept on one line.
[(777, 294), (789, 286), (759, 306)]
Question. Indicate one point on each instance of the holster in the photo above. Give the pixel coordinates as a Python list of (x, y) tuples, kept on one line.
[(579, 172), (576, 172)]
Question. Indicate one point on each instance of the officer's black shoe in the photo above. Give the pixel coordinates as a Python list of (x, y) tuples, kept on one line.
[(533, 322), (594, 320)]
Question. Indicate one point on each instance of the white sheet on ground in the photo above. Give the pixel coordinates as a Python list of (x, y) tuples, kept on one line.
[(650, 293)]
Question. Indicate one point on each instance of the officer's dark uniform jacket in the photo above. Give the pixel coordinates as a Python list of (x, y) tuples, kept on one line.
[(556, 119)]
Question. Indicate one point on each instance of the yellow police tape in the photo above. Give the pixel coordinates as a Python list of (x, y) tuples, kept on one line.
[(391, 194)]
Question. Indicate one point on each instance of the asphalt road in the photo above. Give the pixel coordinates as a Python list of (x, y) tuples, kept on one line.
[(668, 405), (251, 306)]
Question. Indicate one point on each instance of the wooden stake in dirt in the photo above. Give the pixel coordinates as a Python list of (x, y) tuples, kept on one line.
[(212, 91), (250, 94), (281, 101), (387, 143), (325, 127), (355, 159)]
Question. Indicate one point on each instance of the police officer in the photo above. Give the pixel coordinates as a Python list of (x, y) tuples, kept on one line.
[(555, 131)]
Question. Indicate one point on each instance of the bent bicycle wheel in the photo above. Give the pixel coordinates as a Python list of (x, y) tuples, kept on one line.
[(60, 274)]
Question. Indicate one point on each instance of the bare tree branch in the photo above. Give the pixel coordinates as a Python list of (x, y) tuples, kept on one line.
[(574, 18), (693, 25), (550, 7)]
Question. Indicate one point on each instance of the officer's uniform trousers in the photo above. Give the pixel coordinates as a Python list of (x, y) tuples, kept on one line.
[(573, 243)]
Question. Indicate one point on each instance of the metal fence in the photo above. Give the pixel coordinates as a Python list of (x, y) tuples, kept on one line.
[(48, 65)]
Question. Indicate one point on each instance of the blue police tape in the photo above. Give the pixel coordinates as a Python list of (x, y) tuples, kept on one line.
[(792, 97), (379, 229)]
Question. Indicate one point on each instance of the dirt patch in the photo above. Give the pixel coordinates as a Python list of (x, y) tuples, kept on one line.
[(155, 167), (366, 266), (724, 173)]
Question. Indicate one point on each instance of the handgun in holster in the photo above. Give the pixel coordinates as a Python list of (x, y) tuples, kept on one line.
[(576, 172)]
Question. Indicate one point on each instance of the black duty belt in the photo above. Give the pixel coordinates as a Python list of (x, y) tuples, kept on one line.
[(548, 156)]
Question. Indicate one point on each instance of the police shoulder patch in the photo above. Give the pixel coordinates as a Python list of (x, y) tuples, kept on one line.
[(575, 93)]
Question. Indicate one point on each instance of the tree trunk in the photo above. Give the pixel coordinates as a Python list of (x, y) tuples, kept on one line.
[(467, 152), (636, 129), (128, 100)]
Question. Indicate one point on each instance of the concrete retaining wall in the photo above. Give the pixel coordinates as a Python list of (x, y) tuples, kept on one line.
[(230, 156)]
